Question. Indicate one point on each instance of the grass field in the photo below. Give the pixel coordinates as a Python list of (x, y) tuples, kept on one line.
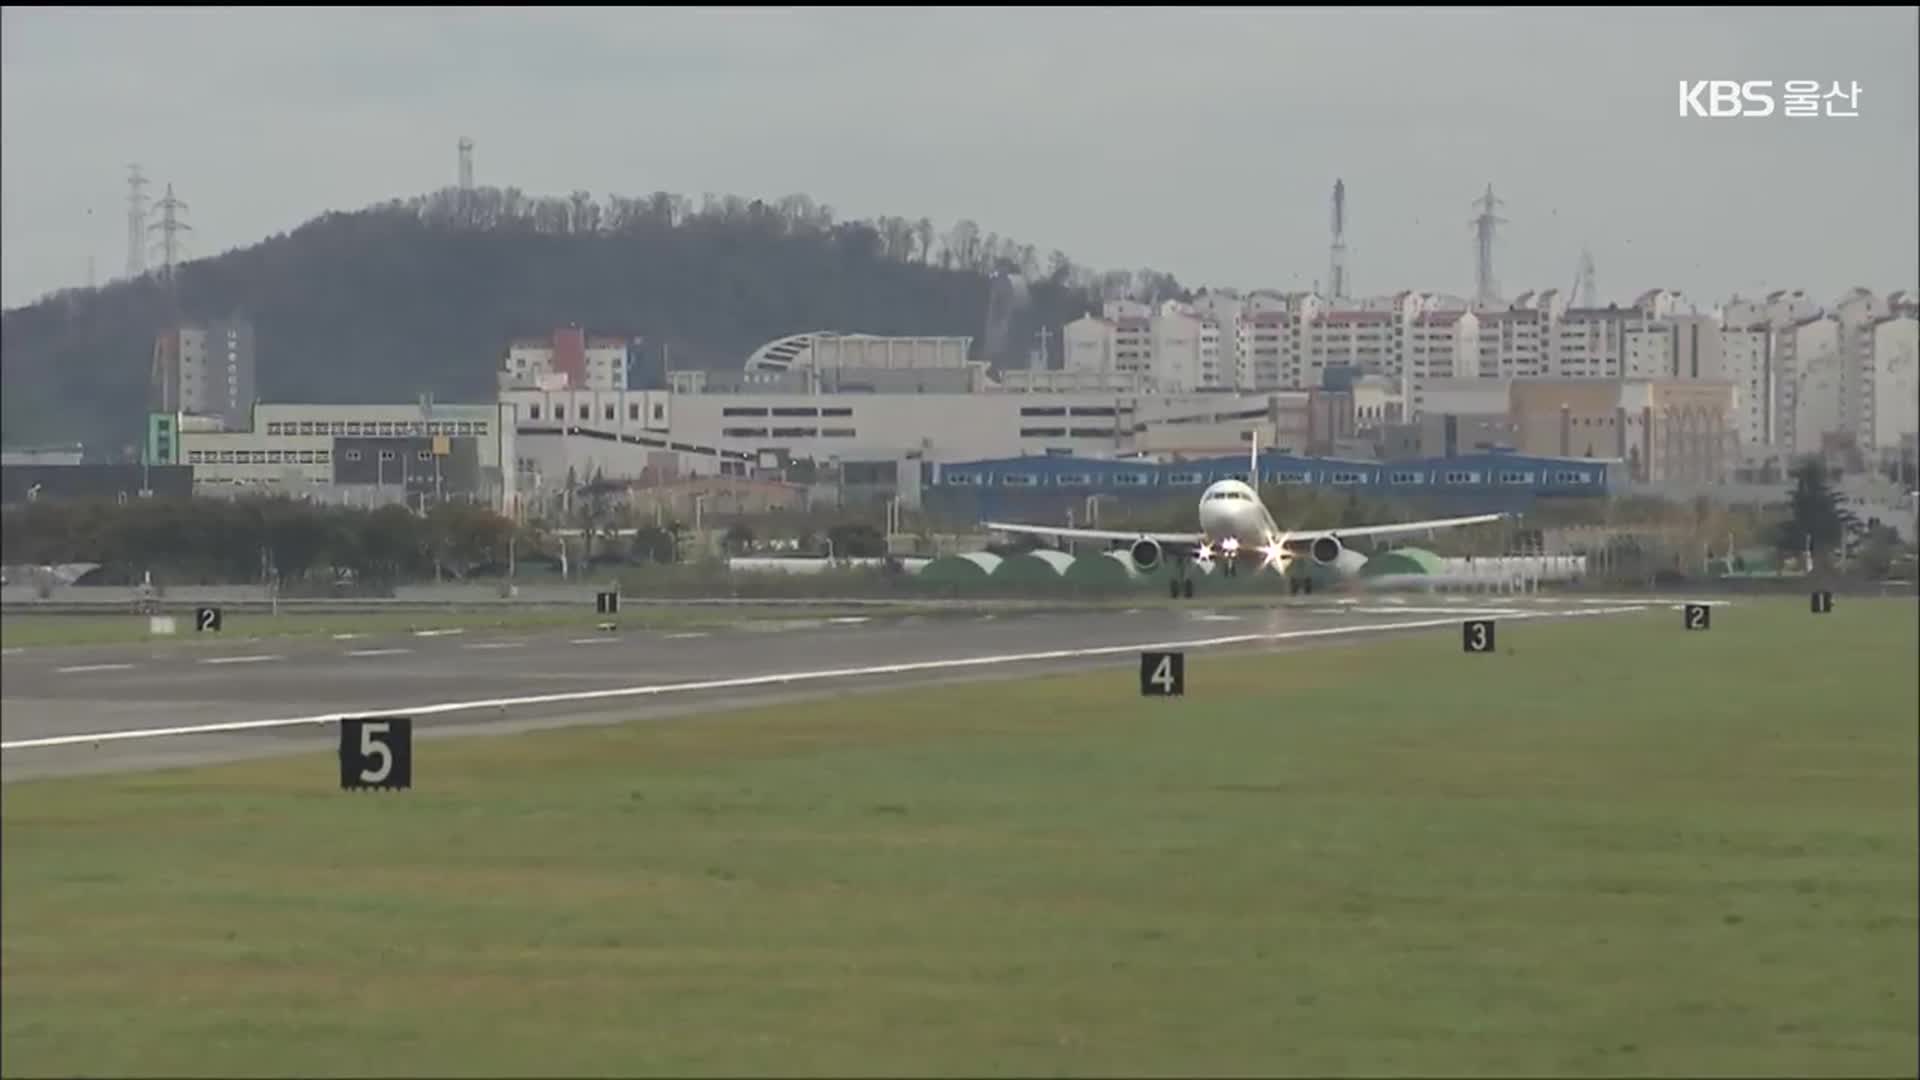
[(1616, 848)]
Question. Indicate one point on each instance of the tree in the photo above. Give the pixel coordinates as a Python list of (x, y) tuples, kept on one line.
[(1877, 550), (923, 232), (857, 540), (466, 536), (660, 545), (1059, 268), (963, 245), (388, 301), (1817, 521)]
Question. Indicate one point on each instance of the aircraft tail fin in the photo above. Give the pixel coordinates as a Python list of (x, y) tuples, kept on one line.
[(1253, 462)]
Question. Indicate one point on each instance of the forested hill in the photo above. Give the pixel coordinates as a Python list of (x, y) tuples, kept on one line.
[(423, 295)]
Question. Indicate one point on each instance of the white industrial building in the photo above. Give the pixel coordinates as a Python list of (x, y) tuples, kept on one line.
[(627, 433), (731, 423), (305, 446), (824, 350)]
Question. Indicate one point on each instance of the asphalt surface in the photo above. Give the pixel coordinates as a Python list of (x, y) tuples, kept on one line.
[(74, 690)]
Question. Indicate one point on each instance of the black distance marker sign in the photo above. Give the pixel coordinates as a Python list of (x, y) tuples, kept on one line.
[(1163, 674), (1698, 616), (206, 619), (1476, 635), (376, 752), (606, 603)]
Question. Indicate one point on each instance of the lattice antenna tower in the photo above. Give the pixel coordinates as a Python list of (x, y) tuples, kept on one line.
[(464, 196), (1585, 289), (170, 227), (136, 222), (1337, 257), (1486, 291)]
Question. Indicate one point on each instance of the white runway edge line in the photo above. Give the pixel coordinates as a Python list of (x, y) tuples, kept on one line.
[(91, 667), (767, 680), (241, 659)]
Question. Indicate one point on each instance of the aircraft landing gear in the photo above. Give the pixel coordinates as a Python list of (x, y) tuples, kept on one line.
[(1181, 583)]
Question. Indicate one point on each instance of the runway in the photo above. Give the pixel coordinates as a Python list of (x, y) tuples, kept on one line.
[(83, 691)]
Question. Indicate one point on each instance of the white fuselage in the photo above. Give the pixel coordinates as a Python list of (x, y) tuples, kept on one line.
[(1235, 521)]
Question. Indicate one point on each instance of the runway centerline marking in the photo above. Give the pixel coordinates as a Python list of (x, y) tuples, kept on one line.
[(77, 669), (378, 652), (437, 633), (779, 679), (593, 641), (241, 659), (494, 645)]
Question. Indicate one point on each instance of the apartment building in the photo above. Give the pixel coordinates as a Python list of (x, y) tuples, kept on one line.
[(204, 370), (1892, 416), (568, 358)]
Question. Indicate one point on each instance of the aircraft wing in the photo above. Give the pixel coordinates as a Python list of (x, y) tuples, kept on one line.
[(1396, 528), (1165, 538)]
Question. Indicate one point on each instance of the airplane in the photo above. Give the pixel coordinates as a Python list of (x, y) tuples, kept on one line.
[(1235, 524)]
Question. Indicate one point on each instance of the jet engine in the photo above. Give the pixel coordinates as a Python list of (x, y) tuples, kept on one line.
[(1145, 553), (1327, 549)]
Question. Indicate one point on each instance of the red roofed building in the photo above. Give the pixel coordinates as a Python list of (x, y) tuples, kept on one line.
[(567, 359)]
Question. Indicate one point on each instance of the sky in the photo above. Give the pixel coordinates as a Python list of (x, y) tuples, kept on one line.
[(1200, 142)]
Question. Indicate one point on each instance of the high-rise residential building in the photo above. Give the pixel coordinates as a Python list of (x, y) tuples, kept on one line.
[(1804, 377), (568, 359), (205, 370), (1746, 361), (1174, 349), (1893, 399)]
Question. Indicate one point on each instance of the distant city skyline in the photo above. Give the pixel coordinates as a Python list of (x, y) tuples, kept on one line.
[(1213, 160)]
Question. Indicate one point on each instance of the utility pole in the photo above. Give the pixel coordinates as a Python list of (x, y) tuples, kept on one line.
[(136, 222), (170, 227)]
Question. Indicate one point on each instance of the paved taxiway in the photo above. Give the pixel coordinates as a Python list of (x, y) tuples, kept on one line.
[(87, 690)]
